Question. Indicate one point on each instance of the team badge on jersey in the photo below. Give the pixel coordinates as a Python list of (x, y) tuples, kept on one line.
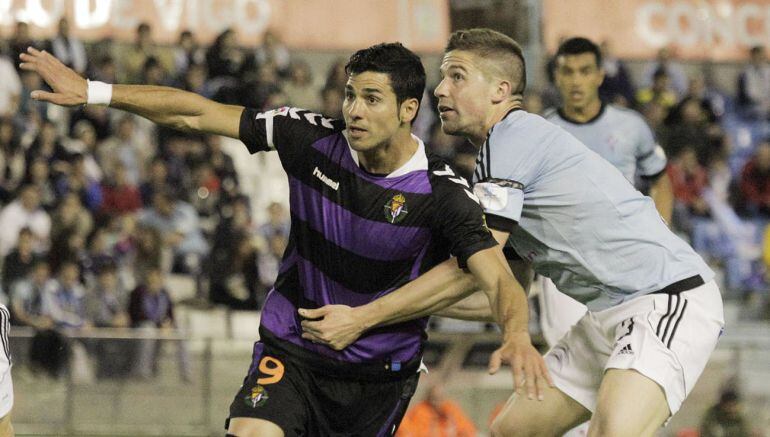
[(257, 397), (395, 209)]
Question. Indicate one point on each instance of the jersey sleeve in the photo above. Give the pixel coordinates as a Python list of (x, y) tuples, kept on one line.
[(286, 130), (507, 164), (459, 217), (650, 157)]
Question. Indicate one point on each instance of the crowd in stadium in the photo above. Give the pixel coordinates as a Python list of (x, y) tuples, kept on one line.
[(99, 206)]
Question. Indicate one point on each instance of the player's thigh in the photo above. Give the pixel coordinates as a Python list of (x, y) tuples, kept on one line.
[(554, 415), (248, 427), (6, 428), (629, 404)]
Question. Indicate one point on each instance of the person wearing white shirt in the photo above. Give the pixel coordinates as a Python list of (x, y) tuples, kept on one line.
[(23, 212)]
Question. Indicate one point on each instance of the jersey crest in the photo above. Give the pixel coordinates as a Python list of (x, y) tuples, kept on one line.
[(395, 209)]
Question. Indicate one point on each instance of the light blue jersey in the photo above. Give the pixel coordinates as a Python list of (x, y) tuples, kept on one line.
[(580, 222), (620, 136)]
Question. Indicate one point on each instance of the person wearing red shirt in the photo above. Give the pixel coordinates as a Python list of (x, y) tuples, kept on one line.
[(755, 182), (120, 196), (436, 416)]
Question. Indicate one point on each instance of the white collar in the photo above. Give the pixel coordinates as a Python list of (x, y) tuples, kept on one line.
[(418, 161)]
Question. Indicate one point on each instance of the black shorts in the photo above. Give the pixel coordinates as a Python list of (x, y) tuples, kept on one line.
[(302, 394)]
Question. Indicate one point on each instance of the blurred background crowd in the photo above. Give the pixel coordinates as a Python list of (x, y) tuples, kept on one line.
[(98, 208)]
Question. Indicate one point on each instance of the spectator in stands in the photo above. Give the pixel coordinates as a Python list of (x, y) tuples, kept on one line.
[(153, 73), (158, 181), (754, 85), (106, 306), (151, 307), (12, 160), (27, 297), (687, 126), (180, 229), (177, 151), (148, 250), (665, 61), (270, 257), (83, 145), (225, 59), (134, 59), (71, 217), (277, 222), (330, 102), (19, 42), (69, 49), (755, 183), (64, 298), (233, 262), (206, 192), (119, 194), (274, 51), (38, 176), (105, 70), (24, 211), (436, 416), (725, 418), (187, 53), (194, 80), (47, 145), (336, 77), (222, 163), (99, 255), (300, 89), (712, 104), (10, 87), (77, 181), (617, 87), (126, 148), (106, 303), (659, 92), (18, 264)]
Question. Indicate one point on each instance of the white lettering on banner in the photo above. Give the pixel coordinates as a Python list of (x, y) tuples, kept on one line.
[(6, 19), (86, 18), (216, 17), (255, 24), (121, 15), (170, 13), (37, 14), (688, 24)]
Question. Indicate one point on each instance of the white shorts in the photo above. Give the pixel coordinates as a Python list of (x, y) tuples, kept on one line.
[(6, 384), (667, 338), (558, 312)]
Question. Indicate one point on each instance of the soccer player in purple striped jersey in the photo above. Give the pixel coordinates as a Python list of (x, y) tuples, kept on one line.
[(371, 211)]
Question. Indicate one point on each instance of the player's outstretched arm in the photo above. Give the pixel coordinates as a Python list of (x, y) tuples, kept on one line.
[(163, 105), (663, 195)]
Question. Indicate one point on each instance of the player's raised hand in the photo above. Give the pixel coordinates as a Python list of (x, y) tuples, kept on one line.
[(527, 365), (336, 326), (69, 88)]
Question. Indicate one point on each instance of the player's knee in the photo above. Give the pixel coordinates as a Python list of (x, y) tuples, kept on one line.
[(508, 425)]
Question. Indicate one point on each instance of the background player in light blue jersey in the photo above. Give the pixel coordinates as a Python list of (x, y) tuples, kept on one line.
[(655, 313)]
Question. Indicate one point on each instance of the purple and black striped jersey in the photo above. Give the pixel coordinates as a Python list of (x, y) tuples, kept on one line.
[(357, 236)]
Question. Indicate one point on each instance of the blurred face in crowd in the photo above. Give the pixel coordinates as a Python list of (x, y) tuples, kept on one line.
[(48, 133), (69, 274), (154, 281), (25, 241), (126, 128), (22, 31), (158, 171), (578, 78), (763, 156), (108, 280), (30, 198), (688, 159), (6, 130), (41, 273), (276, 213), (661, 83), (465, 94), (64, 28), (758, 55), (371, 111), (163, 204), (692, 112)]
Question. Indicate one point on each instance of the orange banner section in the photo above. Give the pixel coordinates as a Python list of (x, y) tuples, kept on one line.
[(422, 25), (718, 30)]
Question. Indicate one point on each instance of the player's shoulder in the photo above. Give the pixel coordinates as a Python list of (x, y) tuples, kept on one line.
[(552, 114), (522, 129), (617, 112), (298, 117), (444, 177)]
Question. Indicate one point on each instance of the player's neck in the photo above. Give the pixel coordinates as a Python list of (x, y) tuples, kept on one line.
[(585, 113), (389, 157), (497, 114)]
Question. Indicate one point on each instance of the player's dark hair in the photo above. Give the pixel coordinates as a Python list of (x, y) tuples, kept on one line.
[(578, 46), (493, 46), (407, 75)]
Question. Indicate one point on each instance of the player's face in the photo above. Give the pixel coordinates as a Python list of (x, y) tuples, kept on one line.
[(578, 78), (464, 94), (370, 110)]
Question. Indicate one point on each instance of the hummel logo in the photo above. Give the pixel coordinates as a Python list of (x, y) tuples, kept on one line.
[(626, 350), (334, 185)]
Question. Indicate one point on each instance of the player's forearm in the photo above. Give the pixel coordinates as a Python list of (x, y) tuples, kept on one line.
[(474, 308), (440, 287), (178, 109), (509, 305), (663, 196)]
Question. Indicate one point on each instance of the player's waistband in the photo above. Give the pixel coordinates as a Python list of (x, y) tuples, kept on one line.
[(384, 370), (681, 286)]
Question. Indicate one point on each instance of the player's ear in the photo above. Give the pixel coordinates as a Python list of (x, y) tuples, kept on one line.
[(503, 91), (408, 110)]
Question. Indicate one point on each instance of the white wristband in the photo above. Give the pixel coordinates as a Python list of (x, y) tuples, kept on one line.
[(98, 93)]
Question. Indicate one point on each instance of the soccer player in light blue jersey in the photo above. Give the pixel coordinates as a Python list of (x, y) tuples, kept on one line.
[(654, 311)]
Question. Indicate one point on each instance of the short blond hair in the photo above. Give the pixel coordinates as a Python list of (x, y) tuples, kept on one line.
[(499, 51)]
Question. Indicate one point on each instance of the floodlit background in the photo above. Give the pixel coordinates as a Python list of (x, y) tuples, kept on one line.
[(81, 190)]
